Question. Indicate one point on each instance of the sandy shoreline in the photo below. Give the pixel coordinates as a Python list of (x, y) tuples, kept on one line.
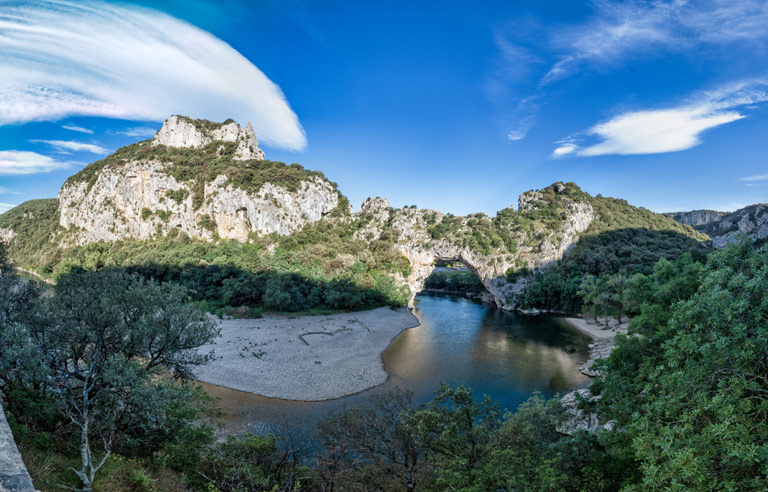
[(604, 340), (308, 358)]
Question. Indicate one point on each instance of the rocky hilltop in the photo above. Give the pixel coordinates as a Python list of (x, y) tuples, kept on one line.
[(197, 178), (497, 250), (725, 228)]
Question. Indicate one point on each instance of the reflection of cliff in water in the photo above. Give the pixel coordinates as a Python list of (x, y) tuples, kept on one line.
[(459, 342)]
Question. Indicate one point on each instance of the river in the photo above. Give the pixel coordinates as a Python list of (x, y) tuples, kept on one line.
[(459, 342)]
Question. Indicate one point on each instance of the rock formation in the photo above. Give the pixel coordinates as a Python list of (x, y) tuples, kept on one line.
[(415, 238), (725, 228), (13, 473), (181, 131), (138, 198)]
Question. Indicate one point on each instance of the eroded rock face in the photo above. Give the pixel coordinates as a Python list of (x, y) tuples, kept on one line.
[(137, 201), (180, 131), (13, 473), (726, 228), (697, 217), (411, 226)]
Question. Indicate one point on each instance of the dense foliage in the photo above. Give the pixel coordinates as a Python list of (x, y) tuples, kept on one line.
[(454, 281), (322, 267), (689, 384), (94, 357), (621, 238), (35, 224)]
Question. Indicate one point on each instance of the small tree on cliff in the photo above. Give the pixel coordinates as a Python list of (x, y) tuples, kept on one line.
[(105, 340)]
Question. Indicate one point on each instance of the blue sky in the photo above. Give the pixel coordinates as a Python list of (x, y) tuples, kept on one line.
[(458, 106)]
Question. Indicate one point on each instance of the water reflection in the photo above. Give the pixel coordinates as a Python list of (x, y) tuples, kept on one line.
[(458, 342)]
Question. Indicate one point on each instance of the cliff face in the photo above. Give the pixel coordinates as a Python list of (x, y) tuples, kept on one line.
[(696, 217), (426, 236), (155, 190), (725, 228), (13, 473), (750, 221)]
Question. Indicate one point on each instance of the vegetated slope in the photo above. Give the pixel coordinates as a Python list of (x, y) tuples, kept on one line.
[(34, 227), (621, 238), (202, 179)]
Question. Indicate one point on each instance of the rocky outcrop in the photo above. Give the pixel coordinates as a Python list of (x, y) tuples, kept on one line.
[(13, 474), (696, 217), (578, 417), (751, 222), (181, 131), (141, 199), (6, 235), (416, 239), (725, 228)]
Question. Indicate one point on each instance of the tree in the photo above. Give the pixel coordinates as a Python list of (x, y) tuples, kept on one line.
[(459, 432), (104, 344), (380, 448)]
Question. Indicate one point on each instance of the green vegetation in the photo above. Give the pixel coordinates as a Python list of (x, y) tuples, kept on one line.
[(454, 281), (36, 225), (622, 238), (321, 268), (685, 390), (92, 363), (689, 391)]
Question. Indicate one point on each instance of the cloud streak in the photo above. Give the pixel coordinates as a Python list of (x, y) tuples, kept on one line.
[(4, 207), (16, 162), (65, 58), (752, 179), (67, 146), (79, 129), (656, 131), (626, 29)]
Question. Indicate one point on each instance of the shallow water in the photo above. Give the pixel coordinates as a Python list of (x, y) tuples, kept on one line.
[(459, 342)]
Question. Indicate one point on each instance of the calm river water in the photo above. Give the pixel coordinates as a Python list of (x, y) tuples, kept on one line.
[(459, 342)]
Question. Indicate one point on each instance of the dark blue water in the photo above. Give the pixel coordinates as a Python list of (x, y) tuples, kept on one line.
[(459, 342)]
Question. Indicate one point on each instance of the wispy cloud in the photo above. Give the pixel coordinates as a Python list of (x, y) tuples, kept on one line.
[(138, 131), (626, 29), (4, 207), (665, 130), (758, 177), (14, 162), (75, 128), (8, 191), (60, 58), (67, 146)]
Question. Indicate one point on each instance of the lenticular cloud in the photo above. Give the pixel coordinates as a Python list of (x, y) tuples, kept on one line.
[(64, 58)]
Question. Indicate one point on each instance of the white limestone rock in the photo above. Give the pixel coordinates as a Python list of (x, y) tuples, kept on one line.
[(180, 131)]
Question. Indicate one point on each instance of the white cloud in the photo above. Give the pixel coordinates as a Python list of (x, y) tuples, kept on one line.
[(515, 135), (75, 128), (8, 191), (138, 131), (14, 162), (759, 177), (666, 130), (66, 146), (61, 58), (622, 29), (4, 207)]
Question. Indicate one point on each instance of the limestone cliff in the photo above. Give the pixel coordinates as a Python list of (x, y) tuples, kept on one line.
[(197, 178), (13, 473), (725, 228), (497, 250)]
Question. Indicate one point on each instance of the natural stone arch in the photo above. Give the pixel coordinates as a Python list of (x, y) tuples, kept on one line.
[(535, 248)]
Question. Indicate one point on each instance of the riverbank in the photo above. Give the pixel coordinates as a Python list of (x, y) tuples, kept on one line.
[(603, 339), (307, 358)]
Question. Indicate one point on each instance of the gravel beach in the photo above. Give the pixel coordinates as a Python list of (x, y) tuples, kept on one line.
[(307, 358), (604, 340)]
